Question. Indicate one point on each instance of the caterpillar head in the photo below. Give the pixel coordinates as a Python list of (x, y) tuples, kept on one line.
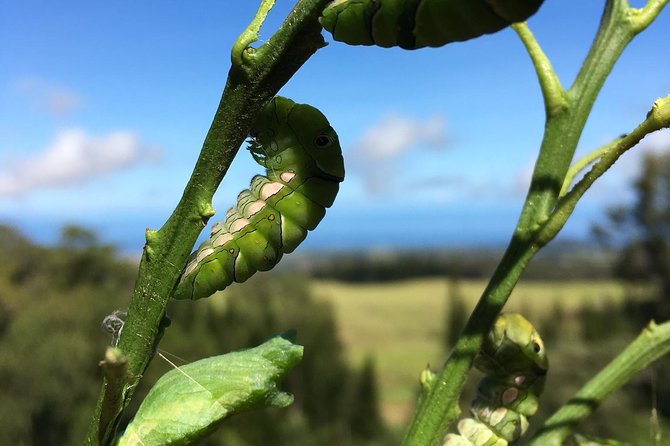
[(513, 347), (285, 126), (318, 139)]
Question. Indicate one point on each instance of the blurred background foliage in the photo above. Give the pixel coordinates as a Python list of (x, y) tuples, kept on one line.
[(53, 300), (369, 323)]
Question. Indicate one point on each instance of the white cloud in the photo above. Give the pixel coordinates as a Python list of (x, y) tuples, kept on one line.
[(375, 154), (56, 100), (395, 135), (73, 157)]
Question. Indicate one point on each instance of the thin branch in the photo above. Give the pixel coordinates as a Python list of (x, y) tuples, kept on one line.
[(641, 18), (250, 34), (554, 95), (650, 345), (583, 162), (658, 118)]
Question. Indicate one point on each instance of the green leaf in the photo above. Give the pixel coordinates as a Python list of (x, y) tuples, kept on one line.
[(187, 404)]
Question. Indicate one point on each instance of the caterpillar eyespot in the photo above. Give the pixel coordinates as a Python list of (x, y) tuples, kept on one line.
[(304, 167), (514, 360), (412, 24), (322, 141)]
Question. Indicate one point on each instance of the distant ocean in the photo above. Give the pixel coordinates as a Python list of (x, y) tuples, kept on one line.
[(341, 229)]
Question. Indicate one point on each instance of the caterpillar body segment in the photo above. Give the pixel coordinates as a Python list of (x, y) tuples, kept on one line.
[(304, 167), (412, 24)]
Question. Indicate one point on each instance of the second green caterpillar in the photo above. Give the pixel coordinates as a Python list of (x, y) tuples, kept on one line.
[(304, 168), (515, 362)]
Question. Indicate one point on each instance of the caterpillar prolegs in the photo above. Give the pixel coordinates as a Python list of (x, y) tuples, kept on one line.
[(514, 360), (412, 24), (304, 168)]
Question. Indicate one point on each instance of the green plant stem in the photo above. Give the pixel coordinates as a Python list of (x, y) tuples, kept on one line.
[(657, 119), (564, 126), (555, 97), (651, 344), (439, 403), (567, 113), (641, 18), (255, 77), (582, 163)]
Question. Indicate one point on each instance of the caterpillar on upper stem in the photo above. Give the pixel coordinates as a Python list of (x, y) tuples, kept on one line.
[(412, 24), (304, 168), (515, 362)]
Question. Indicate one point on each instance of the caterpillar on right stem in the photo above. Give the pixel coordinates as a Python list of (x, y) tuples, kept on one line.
[(515, 362)]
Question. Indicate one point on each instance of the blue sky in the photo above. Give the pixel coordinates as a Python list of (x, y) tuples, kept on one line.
[(104, 107)]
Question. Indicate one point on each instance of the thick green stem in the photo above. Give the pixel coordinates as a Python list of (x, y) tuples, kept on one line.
[(254, 78), (567, 113), (564, 127), (651, 344)]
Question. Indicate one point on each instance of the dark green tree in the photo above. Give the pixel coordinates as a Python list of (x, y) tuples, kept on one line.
[(456, 312), (80, 258), (50, 337), (643, 229), (365, 419), (327, 391), (53, 299)]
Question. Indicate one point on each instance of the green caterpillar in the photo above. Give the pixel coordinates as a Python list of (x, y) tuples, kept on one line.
[(304, 168), (412, 24), (514, 360)]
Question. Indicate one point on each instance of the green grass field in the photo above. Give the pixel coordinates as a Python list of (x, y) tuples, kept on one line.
[(401, 324)]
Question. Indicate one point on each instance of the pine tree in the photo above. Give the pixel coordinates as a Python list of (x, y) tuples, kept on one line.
[(365, 419), (456, 312)]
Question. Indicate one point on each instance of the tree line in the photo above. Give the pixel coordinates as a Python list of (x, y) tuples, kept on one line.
[(52, 303)]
